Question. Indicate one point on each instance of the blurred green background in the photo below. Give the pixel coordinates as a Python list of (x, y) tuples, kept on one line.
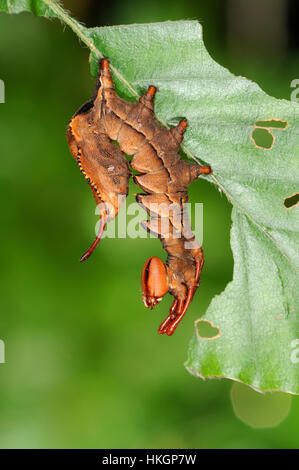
[(85, 366)]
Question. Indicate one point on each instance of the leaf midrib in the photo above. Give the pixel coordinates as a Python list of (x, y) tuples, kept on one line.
[(79, 30), (242, 231)]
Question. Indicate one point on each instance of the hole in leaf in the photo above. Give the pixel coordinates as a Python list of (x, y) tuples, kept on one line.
[(291, 201), (206, 330), (272, 123), (261, 134), (262, 138)]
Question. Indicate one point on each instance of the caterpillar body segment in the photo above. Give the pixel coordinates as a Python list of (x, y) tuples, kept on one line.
[(162, 175)]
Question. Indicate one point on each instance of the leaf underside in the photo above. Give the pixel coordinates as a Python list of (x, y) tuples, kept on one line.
[(257, 314)]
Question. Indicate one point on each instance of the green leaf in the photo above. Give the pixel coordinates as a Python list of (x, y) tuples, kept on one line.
[(257, 314), (38, 7)]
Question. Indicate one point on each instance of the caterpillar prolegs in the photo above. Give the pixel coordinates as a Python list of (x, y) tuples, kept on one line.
[(161, 174)]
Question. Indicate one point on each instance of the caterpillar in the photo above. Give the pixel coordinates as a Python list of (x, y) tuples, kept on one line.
[(162, 175)]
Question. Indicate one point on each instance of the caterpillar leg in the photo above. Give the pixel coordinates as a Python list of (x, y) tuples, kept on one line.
[(180, 307), (175, 311), (180, 312)]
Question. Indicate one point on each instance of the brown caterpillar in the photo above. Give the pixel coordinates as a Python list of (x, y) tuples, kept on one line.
[(162, 175)]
